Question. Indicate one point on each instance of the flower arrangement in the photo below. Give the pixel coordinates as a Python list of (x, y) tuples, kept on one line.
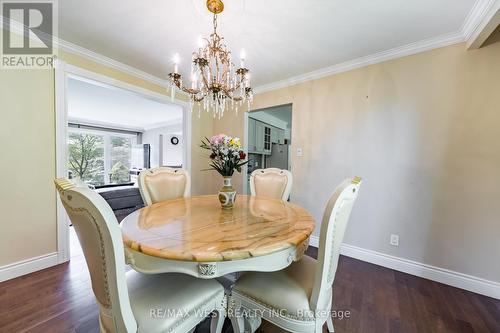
[(226, 155)]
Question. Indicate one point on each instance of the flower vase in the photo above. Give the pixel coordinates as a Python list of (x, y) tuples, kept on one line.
[(227, 194)]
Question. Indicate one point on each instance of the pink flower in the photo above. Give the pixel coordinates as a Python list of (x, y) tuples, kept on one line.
[(217, 139)]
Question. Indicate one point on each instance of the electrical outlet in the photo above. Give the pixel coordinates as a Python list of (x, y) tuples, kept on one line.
[(299, 152), (394, 240)]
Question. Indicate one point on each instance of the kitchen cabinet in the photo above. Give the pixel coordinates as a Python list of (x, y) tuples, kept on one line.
[(252, 144), (267, 139), (277, 135), (281, 136), (259, 137), (274, 134)]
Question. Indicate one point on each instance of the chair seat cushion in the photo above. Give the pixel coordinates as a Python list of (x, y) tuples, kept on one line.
[(161, 302), (286, 290)]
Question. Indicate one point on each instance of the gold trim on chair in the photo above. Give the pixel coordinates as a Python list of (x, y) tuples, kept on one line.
[(63, 184), (356, 180)]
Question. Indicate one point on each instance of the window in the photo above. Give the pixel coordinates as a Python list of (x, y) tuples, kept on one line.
[(100, 157)]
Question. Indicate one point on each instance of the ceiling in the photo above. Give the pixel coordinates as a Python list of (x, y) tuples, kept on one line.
[(282, 38), (96, 104), (281, 112)]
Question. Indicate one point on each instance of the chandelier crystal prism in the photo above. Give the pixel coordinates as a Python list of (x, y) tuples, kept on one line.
[(216, 83)]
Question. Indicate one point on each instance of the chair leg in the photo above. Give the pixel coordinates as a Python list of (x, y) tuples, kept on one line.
[(319, 328), (238, 324), (329, 323), (217, 321)]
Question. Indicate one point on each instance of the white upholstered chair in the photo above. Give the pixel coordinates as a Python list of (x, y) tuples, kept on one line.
[(163, 183), (271, 182), (299, 298), (132, 301)]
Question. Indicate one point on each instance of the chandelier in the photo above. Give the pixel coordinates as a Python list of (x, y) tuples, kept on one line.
[(216, 84)]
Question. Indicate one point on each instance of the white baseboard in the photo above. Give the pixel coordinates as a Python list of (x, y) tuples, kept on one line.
[(27, 266), (452, 278), (314, 241)]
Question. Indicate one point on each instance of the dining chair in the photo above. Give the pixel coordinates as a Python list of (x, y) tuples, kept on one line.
[(299, 298), (272, 183), (163, 183), (132, 301)]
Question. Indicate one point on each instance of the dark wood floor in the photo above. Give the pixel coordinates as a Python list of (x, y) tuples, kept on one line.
[(59, 299)]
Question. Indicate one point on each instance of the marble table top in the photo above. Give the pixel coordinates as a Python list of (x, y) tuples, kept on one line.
[(197, 229)]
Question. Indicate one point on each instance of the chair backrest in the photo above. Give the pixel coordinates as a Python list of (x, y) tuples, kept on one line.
[(101, 240), (272, 183), (163, 183), (333, 226)]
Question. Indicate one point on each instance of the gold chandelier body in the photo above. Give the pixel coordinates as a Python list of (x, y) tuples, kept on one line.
[(216, 83)]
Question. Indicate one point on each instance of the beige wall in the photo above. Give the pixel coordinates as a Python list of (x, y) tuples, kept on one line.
[(27, 164), (201, 127), (423, 132), (27, 195)]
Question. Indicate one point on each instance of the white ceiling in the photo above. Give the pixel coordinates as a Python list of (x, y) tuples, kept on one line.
[(282, 38), (92, 103), (281, 112)]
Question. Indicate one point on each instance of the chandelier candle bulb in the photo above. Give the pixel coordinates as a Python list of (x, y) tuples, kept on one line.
[(242, 58), (176, 63), (214, 78)]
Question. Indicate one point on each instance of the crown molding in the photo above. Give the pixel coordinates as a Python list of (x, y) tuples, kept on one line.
[(398, 52), (479, 12), (482, 11), (61, 44), (103, 60), (477, 15)]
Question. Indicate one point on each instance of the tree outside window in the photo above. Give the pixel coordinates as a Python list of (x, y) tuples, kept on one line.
[(86, 161), (99, 159), (121, 155)]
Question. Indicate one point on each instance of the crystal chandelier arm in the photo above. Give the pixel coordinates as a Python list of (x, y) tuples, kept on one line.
[(204, 77), (215, 80)]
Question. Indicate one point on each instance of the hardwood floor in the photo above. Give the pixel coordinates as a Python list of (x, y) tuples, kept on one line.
[(59, 299)]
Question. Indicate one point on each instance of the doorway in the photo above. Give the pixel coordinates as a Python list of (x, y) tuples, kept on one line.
[(268, 134), (107, 131)]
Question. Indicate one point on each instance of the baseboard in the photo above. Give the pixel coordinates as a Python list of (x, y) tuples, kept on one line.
[(452, 278), (314, 241), (24, 267)]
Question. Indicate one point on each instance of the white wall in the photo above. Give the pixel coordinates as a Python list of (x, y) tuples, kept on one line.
[(172, 154), (152, 137)]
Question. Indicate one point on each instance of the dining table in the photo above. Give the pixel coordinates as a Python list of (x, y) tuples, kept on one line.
[(196, 236)]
